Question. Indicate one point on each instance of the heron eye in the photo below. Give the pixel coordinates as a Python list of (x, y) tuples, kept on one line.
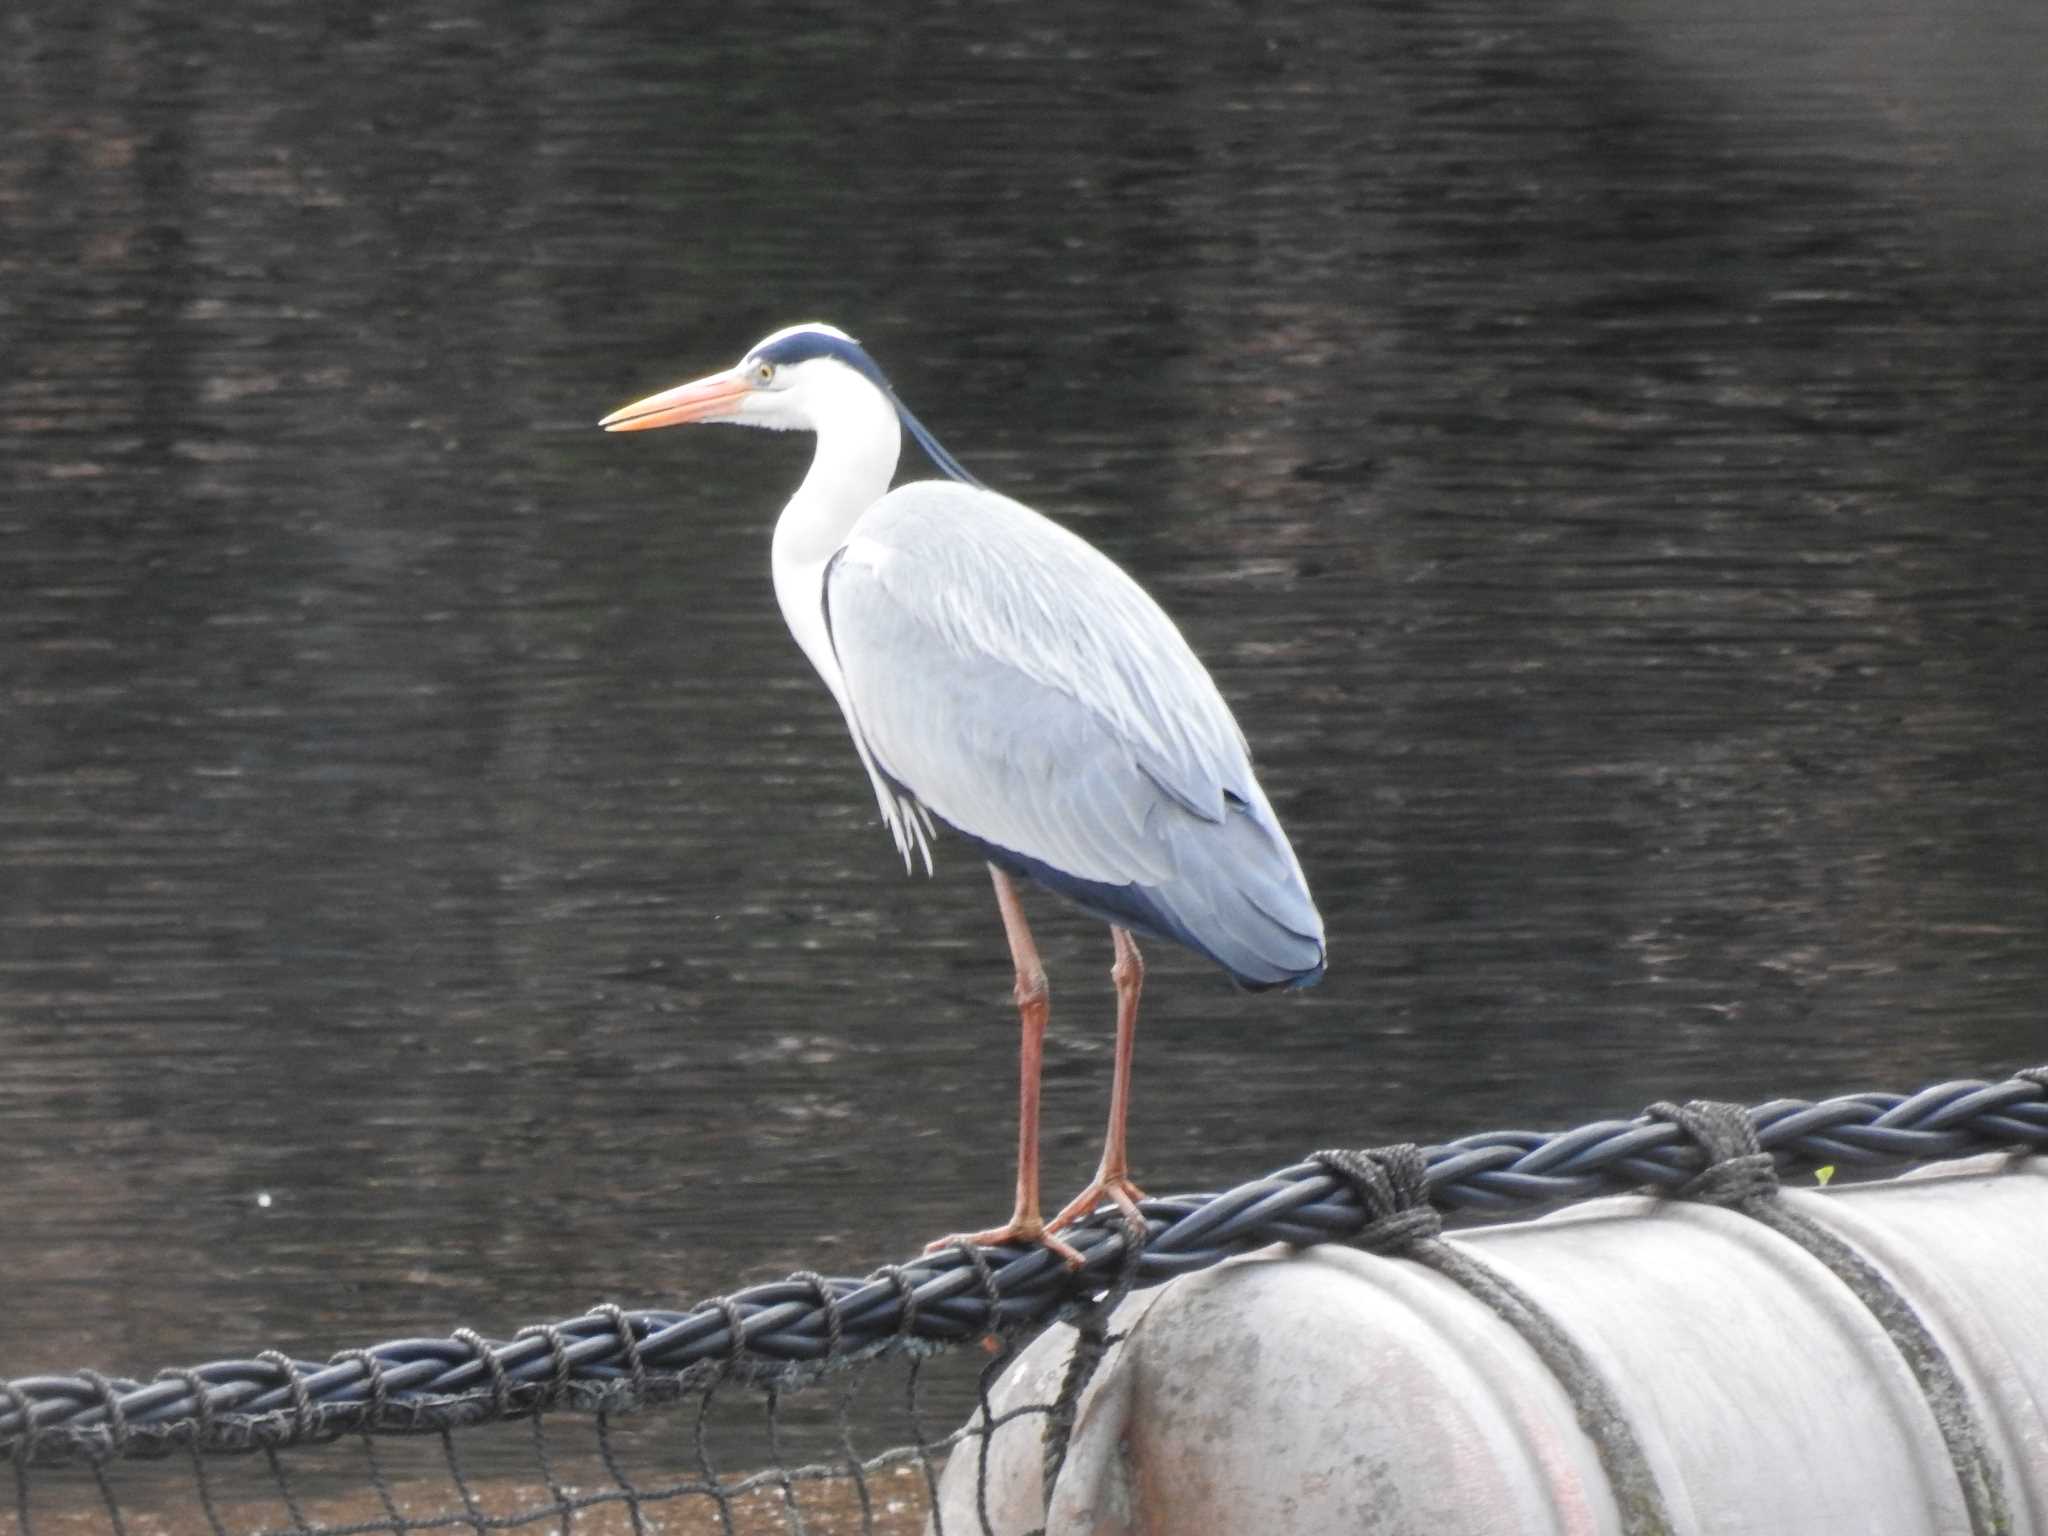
[(764, 373)]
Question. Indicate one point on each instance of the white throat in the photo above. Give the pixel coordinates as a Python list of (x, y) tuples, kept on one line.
[(859, 438)]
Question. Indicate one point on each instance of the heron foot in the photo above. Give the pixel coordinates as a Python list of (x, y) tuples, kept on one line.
[(1017, 1229), (1117, 1186)]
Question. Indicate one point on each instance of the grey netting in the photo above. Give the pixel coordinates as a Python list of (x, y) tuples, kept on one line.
[(803, 1376)]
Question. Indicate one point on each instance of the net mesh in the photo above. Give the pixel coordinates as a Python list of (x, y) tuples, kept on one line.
[(856, 1448)]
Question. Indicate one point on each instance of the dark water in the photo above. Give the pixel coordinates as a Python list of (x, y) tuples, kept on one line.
[(1598, 448)]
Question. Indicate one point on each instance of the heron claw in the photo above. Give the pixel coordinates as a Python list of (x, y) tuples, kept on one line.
[(1117, 1186), (1013, 1231)]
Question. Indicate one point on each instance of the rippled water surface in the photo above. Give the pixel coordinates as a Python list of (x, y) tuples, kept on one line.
[(1598, 449)]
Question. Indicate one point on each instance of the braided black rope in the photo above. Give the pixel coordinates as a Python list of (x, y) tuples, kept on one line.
[(786, 1333)]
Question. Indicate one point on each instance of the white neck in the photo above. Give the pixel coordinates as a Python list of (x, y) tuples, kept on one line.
[(859, 438)]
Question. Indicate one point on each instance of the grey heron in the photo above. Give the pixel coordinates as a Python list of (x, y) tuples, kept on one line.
[(1003, 677)]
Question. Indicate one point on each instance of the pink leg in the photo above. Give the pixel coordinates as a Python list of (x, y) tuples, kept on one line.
[(1113, 1176), (1034, 1007)]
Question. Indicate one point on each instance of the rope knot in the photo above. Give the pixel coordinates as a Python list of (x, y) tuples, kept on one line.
[(1738, 1169), (24, 1449), (1390, 1184)]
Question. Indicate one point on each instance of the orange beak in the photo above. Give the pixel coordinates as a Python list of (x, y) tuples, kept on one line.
[(706, 399)]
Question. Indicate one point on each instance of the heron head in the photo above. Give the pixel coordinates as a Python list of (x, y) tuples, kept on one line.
[(797, 379), (810, 377)]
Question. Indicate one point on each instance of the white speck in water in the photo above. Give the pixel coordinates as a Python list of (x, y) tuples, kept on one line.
[(263, 1200)]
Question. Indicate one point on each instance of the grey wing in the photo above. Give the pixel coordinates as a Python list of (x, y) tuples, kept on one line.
[(1018, 684)]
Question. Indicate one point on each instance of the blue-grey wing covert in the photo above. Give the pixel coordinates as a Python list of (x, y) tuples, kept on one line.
[(1010, 679)]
